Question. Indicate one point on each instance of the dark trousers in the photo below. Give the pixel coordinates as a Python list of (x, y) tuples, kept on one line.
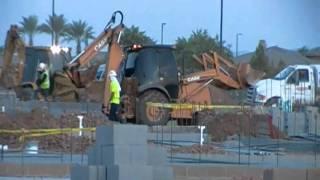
[(43, 92), (113, 112)]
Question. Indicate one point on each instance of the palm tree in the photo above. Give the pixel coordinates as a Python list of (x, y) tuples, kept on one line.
[(88, 35), (29, 27), (78, 31), (133, 35), (55, 24)]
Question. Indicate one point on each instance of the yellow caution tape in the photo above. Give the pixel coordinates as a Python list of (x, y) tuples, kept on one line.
[(194, 106), (30, 131)]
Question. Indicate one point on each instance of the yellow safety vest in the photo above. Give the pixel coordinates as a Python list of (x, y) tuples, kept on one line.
[(46, 83), (116, 92)]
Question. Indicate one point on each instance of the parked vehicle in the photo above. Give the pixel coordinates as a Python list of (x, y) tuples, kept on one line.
[(296, 84)]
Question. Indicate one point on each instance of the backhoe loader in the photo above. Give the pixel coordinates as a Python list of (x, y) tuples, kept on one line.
[(149, 74), (19, 72), (66, 82)]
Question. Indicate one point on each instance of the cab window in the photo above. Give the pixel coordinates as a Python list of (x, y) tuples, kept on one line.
[(301, 75)]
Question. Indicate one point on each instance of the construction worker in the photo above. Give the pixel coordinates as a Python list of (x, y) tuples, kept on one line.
[(114, 101), (43, 81)]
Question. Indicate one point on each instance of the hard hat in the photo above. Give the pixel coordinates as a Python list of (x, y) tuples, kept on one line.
[(112, 73), (41, 66)]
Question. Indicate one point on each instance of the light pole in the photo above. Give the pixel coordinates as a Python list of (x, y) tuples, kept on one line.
[(53, 19), (237, 42), (221, 23), (162, 25)]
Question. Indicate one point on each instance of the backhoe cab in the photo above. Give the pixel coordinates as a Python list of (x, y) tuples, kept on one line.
[(148, 74)]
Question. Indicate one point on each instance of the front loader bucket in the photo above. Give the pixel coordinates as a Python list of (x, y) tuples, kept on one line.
[(247, 76), (64, 89)]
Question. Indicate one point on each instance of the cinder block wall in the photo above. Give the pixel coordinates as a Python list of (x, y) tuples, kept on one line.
[(184, 172)]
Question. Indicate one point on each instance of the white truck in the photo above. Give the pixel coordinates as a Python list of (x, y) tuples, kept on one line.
[(294, 84)]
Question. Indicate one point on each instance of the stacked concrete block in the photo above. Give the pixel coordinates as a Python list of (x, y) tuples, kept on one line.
[(123, 152), (58, 108), (313, 117), (120, 144), (157, 156), (88, 172), (296, 124), (285, 174), (279, 119), (217, 173), (313, 174), (8, 101)]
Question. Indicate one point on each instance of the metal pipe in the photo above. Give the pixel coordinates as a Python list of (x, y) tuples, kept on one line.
[(237, 42), (221, 23), (162, 25), (53, 19)]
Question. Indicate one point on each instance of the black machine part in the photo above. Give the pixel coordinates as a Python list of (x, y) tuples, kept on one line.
[(153, 67)]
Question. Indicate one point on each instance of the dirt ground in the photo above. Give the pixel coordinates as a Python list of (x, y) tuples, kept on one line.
[(221, 126), (42, 120), (197, 149)]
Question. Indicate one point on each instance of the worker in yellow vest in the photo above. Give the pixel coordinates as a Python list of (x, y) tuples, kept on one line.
[(43, 81), (114, 101)]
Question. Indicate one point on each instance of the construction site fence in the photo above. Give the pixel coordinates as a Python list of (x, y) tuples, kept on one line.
[(278, 139)]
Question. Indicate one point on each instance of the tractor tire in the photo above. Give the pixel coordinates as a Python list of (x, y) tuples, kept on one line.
[(26, 94), (152, 115), (273, 102)]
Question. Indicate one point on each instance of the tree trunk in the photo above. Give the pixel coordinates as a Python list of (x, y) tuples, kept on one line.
[(78, 46), (30, 40), (56, 39)]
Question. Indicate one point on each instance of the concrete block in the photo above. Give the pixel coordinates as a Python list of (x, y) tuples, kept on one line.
[(79, 172), (88, 172), (92, 155), (162, 172), (217, 172), (113, 172), (313, 174), (121, 154), (286, 174), (296, 124), (8, 100), (121, 134), (179, 171), (157, 155), (97, 173), (197, 171), (278, 119), (313, 117), (44, 170), (130, 172), (245, 172)]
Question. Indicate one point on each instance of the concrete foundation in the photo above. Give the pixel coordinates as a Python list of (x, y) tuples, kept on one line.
[(121, 152), (297, 123)]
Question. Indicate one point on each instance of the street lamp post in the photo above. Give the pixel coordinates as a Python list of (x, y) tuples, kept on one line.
[(221, 23), (237, 42), (162, 25), (53, 18)]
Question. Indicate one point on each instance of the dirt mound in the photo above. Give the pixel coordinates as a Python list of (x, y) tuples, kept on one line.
[(221, 97), (220, 126)]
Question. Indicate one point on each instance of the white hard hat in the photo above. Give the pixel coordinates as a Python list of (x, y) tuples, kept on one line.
[(41, 66), (112, 73)]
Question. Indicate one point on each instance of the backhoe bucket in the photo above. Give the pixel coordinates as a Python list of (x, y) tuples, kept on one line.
[(248, 76)]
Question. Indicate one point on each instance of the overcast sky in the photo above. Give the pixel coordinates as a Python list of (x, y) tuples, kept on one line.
[(286, 23)]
